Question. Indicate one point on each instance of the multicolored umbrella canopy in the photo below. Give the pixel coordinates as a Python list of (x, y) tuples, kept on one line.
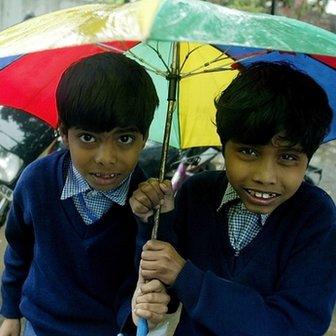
[(197, 44)]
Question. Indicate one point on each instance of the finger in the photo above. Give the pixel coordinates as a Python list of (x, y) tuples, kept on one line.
[(151, 255), (152, 308), (149, 265), (157, 298), (155, 184), (150, 274), (155, 245), (140, 201), (167, 188), (153, 286), (153, 193)]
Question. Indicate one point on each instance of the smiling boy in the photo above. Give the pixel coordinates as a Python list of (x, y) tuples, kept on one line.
[(70, 263), (255, 244), (275, 171)]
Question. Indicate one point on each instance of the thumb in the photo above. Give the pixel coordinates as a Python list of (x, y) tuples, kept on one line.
[(167, 204), (167, 188)]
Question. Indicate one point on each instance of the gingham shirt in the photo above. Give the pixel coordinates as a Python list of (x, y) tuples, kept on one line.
[(243, 225), (90, 203)]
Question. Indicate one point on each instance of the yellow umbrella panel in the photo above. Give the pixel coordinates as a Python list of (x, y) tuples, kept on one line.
[(203, 72)]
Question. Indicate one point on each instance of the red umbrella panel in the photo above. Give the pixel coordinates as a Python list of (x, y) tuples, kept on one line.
[(29, 82)]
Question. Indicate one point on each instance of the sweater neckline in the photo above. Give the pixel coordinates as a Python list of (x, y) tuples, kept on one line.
[(81, 228), (255, 247)]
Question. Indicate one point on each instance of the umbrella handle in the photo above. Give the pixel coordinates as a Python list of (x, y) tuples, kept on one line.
[(142, 328)]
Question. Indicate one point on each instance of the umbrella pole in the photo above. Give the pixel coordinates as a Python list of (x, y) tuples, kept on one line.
[(173, 78)]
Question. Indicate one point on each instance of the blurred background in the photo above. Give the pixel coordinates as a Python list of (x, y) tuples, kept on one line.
[(319, 12)]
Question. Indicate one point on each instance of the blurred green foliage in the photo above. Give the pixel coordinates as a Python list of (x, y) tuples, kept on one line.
[(293, 8)]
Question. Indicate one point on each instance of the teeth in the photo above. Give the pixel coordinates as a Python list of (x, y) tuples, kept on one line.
[(105, 175), (261, 194)]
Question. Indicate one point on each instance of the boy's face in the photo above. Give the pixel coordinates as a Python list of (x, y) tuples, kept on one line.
[(104, 159), (265, 176)]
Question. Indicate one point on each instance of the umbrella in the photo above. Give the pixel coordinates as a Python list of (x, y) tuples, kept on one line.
[(37, 51), (191, 48)]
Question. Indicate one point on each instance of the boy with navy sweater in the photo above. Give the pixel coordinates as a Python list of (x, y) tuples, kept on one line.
[(69, 265), (255, 245)]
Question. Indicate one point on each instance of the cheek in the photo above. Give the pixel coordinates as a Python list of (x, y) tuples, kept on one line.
[(236, 171), (79, 157), (130, 158), (292, 181)]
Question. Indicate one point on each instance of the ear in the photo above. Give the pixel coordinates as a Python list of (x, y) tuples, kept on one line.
[(64, 135)]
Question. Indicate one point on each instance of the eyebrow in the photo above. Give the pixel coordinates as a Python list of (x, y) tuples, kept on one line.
[(126, 129), (294, 149), (117, 129)]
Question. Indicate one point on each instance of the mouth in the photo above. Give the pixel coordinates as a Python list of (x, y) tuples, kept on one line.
[(105, 179), (261, 198), (104, 175), (262, 195)]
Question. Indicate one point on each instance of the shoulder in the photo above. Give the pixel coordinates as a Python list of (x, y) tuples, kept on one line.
[(313, 198), (208, 185), (204, 179), (41, 169), (310, 209)]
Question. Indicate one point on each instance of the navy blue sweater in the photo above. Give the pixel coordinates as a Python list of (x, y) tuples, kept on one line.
[(282, 283), (64, 276)]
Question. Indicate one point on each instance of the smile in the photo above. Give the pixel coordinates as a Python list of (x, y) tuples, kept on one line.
[(104, 176), (262, 195)]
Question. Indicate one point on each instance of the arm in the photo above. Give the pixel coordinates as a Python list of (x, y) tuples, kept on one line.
[(17, 259)]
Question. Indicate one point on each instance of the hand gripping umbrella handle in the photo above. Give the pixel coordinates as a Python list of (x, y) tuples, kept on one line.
[(142, 328)]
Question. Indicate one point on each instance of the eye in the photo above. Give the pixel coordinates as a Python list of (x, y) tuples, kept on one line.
[(248, 151), (87, 138), (126, 139), (288, 157)]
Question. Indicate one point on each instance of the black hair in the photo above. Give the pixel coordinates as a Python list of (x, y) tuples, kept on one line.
[(270, 98), (104, 91)]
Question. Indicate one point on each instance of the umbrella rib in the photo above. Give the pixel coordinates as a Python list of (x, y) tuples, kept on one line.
[(108, 47), (217, 59), (156, 50), (219, 69), (148, 66), (187, 56)]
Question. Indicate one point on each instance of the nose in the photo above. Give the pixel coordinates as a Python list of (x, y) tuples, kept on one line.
[(265, 172), (106, 154)]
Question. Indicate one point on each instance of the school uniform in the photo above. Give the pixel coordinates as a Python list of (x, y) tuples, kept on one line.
[(70, 266), (276, 277)]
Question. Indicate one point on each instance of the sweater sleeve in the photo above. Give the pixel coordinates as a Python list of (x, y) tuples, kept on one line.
[(302, 300), (17, 259)]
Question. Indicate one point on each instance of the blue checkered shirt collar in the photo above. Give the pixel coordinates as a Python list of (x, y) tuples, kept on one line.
[(76, 184), (231, 195)]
